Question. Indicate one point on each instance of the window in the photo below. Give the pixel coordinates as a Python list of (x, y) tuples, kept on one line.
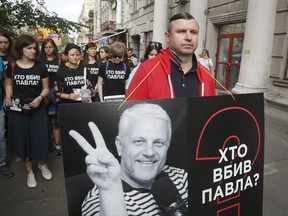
[(229, 53), (135, 5)]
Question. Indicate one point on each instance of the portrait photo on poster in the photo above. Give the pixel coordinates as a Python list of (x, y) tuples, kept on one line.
[(163, 150)]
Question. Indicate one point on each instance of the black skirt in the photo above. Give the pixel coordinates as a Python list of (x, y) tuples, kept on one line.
[(29, 135)]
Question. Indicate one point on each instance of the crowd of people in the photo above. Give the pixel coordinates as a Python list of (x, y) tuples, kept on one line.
[(36, 81)]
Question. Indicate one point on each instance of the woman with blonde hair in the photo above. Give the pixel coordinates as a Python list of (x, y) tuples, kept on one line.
[(114, 73)]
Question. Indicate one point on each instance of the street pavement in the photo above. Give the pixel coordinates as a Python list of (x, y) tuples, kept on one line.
[(49, 197), (275, 200)]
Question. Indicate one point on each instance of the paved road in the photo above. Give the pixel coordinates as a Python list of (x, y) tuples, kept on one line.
[(275, 199), (49, 198)]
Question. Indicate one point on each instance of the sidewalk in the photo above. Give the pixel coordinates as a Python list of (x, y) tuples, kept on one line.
[(49, 198), (275, 200)]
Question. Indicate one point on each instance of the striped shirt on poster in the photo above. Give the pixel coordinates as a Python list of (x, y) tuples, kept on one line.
[(139, 202)]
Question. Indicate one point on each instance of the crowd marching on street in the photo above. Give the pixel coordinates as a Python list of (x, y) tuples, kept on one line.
[(35, 81)]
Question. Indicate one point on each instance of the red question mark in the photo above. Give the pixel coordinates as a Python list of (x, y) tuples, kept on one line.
[(200, 157)]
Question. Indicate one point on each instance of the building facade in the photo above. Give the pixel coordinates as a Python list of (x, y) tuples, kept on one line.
[(86, 34), (247, 39)]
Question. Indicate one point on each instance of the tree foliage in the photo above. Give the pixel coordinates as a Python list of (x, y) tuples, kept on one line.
[(90, 21), (15, 14)]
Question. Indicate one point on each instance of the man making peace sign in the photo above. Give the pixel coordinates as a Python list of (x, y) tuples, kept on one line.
[(142, 143)]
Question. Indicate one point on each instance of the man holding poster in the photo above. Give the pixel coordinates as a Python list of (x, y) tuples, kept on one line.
[(175, 72), (142, 142)]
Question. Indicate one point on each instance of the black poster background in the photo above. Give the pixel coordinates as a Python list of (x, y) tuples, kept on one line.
[(188, 116), (212, 122)]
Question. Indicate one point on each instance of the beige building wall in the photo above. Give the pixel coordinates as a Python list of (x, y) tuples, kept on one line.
[(85, 34), (225, 12), (140, 27), (278, 82), (216, 14)]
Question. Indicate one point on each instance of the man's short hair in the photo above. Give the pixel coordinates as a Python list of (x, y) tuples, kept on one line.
[(185, 15), (144, 110)]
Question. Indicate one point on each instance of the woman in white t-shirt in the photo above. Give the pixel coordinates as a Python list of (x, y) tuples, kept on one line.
[(205, 59)]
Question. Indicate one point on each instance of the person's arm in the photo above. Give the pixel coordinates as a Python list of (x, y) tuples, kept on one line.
[(210, 62), (56, 86), (45, 90), (137, 91), (100, 88), (71, 96), (131, 75), (134, 60), (104, 171), (8, 91)]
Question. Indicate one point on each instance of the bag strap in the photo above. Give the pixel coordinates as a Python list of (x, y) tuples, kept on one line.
[(85, 78), (107, 65), (13, 69), (59, 63), (124, 67)]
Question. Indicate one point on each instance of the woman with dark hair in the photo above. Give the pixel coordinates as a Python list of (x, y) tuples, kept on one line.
[(152, 50), (91, 65), (103, 55), (72, 80), (5, 48), (205, 60), (53, 63), (26, 87)]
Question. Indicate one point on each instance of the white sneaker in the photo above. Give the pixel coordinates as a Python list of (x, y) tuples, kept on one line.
[(46, 173), (31, 181)]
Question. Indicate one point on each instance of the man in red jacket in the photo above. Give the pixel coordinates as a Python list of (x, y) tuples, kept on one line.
[(175, 72)]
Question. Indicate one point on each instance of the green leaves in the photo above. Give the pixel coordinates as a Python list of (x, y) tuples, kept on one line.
[(16, 14)]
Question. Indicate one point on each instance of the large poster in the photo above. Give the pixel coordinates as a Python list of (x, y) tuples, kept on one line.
[(219, 141)]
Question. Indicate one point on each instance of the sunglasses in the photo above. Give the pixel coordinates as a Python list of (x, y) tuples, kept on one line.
[(117, 56), (154, 43)]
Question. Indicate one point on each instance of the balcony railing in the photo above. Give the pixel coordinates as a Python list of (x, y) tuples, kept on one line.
[(108, 25)]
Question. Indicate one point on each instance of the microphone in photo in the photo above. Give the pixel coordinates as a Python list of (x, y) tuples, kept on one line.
[(168, 197)]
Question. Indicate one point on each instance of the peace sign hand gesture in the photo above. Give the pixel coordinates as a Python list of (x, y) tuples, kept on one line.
[(102, 167)]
